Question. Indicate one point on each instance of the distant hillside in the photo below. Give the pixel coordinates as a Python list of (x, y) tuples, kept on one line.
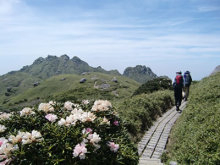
[(65, 87), (16, 82), (139, 73), (216, 70)]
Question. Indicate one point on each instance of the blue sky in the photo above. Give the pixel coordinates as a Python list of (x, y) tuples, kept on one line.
[(165, 35)]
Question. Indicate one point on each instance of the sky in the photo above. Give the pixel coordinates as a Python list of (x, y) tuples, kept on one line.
[(165, 35)]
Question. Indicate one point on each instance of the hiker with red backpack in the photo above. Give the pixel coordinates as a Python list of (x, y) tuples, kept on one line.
[(178, 86), (187, 82)]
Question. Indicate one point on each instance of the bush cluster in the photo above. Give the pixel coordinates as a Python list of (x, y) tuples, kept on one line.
[(195, 138), (154, 85), (66, 133), (140, 111)]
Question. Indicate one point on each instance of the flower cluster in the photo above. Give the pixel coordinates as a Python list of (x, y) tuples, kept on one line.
[(5, 116), (26, 111), (51, 117), (2, 128), (101, 105), (7, 146), (113, 147), (46, 107), (92, 138), (82, 131), (77, 115), (80, 150), (69, 105)]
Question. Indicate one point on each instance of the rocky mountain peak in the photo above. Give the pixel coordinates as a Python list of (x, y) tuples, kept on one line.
[(140, 73), (217, 69), (65, 57)]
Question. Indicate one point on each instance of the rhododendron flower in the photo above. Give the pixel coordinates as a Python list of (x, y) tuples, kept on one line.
[(46, 107), (26, 139), (88, 116), (26, 111), (5, 162), (113, 147), (77, 111), (3, 141), (51, 117), (116, 123), (6, 149), (62, 121), (34, 136), (80, 150), (87, 131), (85, 102), (68, 105), (94, 138), (101, 105), (5, 116), (52, 103), (105, 121), (2, 128), (16, 139)]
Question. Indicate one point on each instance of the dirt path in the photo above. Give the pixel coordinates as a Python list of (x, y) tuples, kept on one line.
[(153, 143)]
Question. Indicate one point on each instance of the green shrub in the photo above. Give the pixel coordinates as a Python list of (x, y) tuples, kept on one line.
[(56, 133), (195, 138), (140, 111), (154, 85)]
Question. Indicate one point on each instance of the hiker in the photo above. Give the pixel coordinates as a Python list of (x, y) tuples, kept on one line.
[(187, 82), (177, 86)]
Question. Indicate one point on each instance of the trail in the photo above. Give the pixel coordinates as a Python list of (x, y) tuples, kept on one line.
[(154, 141)]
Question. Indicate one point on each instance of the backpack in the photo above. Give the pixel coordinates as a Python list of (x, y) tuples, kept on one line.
[(178, 79), (186, 79)]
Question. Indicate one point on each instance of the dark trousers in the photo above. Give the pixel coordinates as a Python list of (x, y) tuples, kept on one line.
[(178, 96)]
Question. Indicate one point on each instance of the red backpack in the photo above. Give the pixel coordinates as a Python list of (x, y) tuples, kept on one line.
[(179, 78)]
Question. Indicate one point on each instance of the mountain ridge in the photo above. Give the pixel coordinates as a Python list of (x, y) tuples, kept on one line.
[(140, 73)]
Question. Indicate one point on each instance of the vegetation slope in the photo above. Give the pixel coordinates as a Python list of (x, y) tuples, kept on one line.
[(195, 138), (68, 87)]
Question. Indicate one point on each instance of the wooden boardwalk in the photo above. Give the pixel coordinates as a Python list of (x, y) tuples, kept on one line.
[(153, 143)]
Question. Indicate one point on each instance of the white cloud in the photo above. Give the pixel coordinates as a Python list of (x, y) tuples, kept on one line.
[(113, 43), (208, 8)]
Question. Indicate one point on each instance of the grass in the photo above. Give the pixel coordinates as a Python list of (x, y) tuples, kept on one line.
[(140, 111), (195, 138), (67, 87)]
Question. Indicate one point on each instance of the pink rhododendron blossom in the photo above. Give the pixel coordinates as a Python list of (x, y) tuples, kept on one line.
[(87, 131), (80, 150), (94, 138), (68, 105), (51, 117), (3, 141), (113, 147), (116, 123)]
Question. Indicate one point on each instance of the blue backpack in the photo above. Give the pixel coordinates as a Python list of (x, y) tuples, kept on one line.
[(187, 80)]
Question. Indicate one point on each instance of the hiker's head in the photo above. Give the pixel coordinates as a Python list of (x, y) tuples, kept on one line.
[(187, 72), (179, 72)]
